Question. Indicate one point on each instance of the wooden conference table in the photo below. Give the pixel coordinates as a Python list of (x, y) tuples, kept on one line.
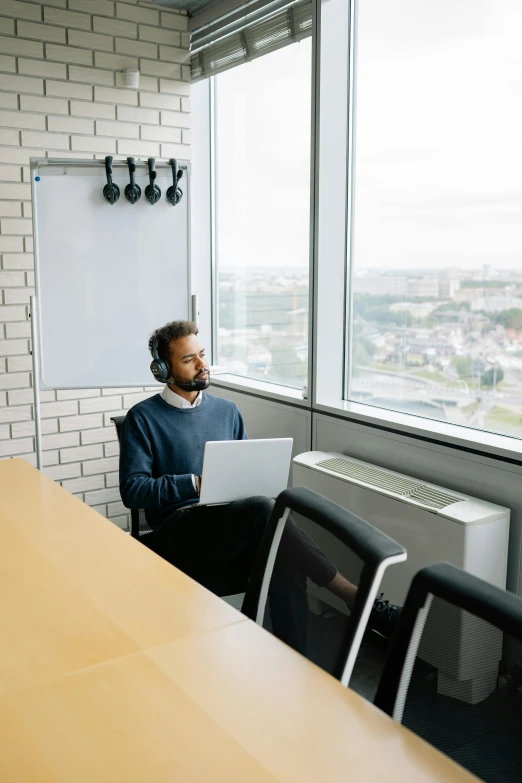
[(115, 666)]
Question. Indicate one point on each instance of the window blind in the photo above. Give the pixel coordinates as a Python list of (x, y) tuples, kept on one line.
[(226, 49)]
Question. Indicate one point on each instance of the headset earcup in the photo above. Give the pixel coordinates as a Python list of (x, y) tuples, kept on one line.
[(111, 193), (152, 195), (132, 194), (174, 196), (160, 370)]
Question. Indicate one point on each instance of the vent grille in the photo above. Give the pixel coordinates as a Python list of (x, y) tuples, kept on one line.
[(391, 482)]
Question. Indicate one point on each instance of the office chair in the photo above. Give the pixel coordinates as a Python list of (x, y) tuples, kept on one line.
[(457, 622), (359, 552), (139, 526)]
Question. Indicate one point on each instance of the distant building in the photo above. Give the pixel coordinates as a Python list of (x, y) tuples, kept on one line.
[(423, 286), (494, 304), (414, 359), (448, 287), (452, 317), (378, 285), (395, 285), (469, 294), (415, 309)]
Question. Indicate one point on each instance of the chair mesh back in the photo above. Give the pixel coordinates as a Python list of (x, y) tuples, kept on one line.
[(300, 609), (314, 585), (143, 526), (452, 698), (139, 525)]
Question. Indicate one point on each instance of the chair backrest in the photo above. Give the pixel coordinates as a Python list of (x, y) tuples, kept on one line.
[(337, 540), (139, 525), (441, 677)]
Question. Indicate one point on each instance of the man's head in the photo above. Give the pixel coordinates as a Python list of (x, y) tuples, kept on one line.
[(179, 347)]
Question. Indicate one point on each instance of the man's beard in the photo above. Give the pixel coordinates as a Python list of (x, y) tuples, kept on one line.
[(195, 384)]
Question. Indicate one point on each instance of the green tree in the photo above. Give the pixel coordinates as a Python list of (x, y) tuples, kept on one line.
[(511, 319), (453, 307), (483, 283), (362, 351), (462, 365), (492, 377)]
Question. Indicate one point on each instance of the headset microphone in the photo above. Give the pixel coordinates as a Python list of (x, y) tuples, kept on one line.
[(195, 385)]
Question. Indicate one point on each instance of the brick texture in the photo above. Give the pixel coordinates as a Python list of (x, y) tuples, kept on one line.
[(62, 94)]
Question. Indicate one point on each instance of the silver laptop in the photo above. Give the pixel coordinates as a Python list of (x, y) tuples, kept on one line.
[(237, 469)]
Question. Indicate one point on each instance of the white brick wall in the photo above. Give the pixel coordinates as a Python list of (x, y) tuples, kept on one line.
[(62, 93)]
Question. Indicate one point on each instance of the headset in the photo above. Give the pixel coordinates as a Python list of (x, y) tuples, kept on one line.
[(152, 191), (132, 191), (174, 194), (158, 366), (111, 191), (161, 370)]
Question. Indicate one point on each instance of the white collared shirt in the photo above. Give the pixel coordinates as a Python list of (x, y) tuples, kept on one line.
[(180, 402)]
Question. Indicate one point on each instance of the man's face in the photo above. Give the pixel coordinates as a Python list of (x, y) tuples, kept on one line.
[(187, 361)]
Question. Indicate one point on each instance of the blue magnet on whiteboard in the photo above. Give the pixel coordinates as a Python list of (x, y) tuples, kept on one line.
[(37, 179)]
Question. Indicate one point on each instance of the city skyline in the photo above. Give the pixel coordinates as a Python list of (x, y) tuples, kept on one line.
[(447, 347)]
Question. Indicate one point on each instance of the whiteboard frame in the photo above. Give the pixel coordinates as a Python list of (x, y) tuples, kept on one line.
[(192, 304)]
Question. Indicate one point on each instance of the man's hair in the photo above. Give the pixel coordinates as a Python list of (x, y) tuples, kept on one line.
[(172, 331)]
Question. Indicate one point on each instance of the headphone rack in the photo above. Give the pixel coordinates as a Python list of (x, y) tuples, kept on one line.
[(68, 163), (111, 191)]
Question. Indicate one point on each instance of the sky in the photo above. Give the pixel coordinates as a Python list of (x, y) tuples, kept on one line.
[(438, 127), (438, 166), (263, 126)]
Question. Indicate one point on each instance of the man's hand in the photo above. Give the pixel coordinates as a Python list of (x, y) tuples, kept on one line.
[(198, 485)]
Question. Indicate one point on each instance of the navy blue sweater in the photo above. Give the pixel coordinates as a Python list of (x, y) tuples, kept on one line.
[(162, 446)]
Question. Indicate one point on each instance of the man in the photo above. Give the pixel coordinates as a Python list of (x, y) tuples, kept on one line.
[(161, 461)]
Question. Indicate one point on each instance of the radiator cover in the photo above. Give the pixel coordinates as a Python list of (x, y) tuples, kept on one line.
[(434, 524)]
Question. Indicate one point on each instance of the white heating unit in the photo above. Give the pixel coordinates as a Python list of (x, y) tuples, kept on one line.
[(434, 524)]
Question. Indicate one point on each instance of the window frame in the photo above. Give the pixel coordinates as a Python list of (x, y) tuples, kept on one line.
[(333, 85), (268, 388)]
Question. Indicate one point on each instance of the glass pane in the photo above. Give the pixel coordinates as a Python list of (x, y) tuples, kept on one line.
[(457, 701), (262, 142), (437, 261), (301, 609)]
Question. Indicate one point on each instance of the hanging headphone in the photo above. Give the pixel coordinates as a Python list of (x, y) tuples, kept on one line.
[(152, 191), (174, 194), (111, 191), (159, 367), (132, 191)]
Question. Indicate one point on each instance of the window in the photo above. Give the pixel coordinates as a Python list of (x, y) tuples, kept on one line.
[(262, 145), (436, 262)]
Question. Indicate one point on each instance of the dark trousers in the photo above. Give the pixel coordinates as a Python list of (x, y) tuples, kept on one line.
[(216, 546)]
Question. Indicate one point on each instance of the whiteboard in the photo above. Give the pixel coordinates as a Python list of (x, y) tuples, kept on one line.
[(106, 275)]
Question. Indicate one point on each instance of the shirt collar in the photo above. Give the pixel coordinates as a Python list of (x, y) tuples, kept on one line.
[(179, 402)]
